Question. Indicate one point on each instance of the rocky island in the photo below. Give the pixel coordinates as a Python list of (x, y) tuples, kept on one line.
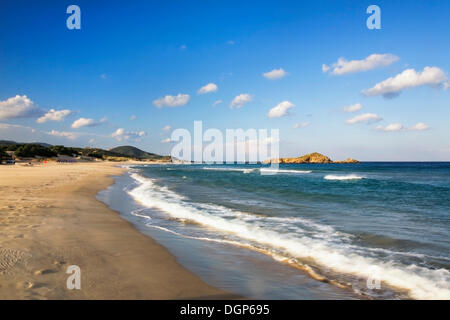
[(314, 157)]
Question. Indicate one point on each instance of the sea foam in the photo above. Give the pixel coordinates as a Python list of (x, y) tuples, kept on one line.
[(420, 282), (261, 170), (343, 177)]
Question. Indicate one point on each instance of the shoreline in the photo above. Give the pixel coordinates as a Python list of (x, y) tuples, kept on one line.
[(50, 219)]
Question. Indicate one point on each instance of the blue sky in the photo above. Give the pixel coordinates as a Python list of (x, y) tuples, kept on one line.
[(129, 54)]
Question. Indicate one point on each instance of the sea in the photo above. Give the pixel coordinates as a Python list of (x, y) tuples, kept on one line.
[(373, 230)]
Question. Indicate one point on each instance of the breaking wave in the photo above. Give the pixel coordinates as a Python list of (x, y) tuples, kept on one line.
[(332, 251), (343, 177)]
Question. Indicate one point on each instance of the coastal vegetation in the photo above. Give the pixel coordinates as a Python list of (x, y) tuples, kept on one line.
[(43, 150)]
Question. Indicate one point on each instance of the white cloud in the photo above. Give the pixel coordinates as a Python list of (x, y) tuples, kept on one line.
[(183, 47), (18, 107), (120, 134), (353, 107), (132, 117), (301, 125), (391, 127), (64, 134), (343, 66), (210, 87), (325, 68), (172, 101), (280, 109), (420, 126), (6, 126), (275, 74), (409, 78), (230, 42), (216, 102), (104, 76), (54, 115), (365, 117), (446, 85), (83, 122), (167, 140), (167, 128), (240, 100)]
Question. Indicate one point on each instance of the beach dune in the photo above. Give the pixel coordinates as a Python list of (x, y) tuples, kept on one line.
[(50, 220)]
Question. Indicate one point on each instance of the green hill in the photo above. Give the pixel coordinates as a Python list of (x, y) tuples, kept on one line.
[(46, 150), (5, 143), (134, 152)]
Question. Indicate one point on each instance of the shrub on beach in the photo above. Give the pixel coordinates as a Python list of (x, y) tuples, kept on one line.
[(33, 150), (3, 155), (67, 151), (95, 155)]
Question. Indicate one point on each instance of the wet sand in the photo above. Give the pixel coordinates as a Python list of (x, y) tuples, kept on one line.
[(50, 219)]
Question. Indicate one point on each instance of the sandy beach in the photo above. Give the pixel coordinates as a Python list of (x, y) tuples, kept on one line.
[(50, 219)]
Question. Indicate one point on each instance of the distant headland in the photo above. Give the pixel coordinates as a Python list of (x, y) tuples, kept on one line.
[(314, 157)]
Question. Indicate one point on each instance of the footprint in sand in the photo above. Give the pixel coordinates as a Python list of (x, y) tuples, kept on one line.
[(24, 285), (44, 271), (59, 263)]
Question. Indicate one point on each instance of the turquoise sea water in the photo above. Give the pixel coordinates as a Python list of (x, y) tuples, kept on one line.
[(369, 230)]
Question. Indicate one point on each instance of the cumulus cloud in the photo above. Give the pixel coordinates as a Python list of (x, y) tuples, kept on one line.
[(391, 127), (275, 74), (120, 134), (167, 140), (18, 107), (64, 134), (409, 78), (167, 128), (365, 118), (83, 122), (172, 101), (446, 85), (343, 66), (280, 109), (301, 125), (353, 107), (240, 100), (217, 102), (420, 126), (325, 68), (210, 87), (54, 115), (16, 127)]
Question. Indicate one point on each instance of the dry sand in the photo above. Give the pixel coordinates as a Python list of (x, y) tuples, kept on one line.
[(50, 219)]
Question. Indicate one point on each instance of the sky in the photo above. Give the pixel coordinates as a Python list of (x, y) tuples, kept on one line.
[(137, 70)]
